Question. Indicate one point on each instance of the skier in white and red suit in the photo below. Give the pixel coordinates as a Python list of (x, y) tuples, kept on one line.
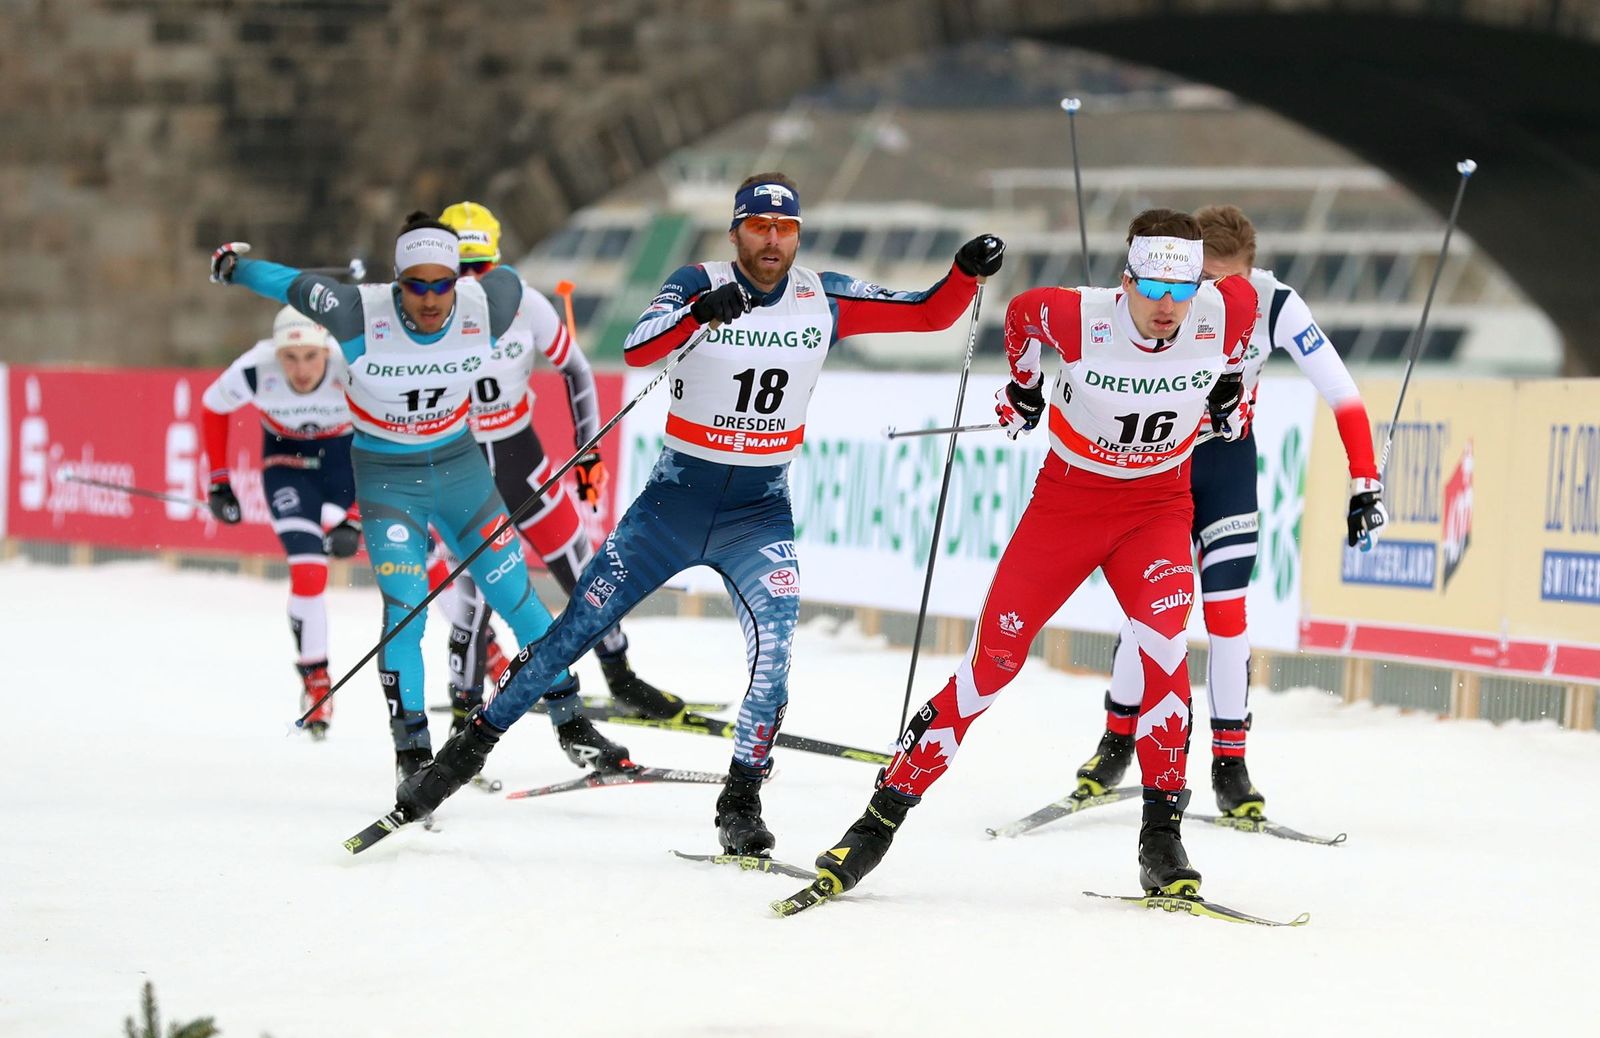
[(1144, 368)]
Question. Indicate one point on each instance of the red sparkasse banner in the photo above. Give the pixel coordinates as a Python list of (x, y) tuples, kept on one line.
[(140, 427)]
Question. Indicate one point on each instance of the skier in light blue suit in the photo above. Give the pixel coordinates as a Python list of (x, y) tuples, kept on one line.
[(412, 348)]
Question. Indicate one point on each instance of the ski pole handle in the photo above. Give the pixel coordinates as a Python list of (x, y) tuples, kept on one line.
[(891, 433)]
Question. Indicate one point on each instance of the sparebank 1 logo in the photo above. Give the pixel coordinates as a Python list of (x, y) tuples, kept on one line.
[(1285, 500)]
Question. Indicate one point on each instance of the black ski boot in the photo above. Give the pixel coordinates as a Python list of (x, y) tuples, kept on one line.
[(738, 820), (1163, 865), (865, 843), (1105, 769), (587, 748), (634, 695), (462, 757), (1237, 796), (409, 762)]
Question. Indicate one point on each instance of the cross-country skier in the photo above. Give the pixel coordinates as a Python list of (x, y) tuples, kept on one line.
[(297, 385), (413, 348), (719, 495), (502, 423), (1225, 522), (1143, 368)]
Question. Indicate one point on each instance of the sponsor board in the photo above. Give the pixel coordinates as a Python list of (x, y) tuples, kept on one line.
[(142, 428)]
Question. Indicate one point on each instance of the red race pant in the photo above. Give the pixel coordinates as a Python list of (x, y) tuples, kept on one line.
[(1137, 531)]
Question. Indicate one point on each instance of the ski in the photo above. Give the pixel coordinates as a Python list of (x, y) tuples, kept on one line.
[(1071, 804), (1262, 825), (596, 780), (800, 900), (752, 863), (1195, 905), (389, 823), (699, 724), (606, 704)]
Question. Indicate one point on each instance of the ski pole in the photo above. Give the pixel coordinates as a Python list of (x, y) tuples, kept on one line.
[(564, 289), (1070, 105), (509, 523), (355, 270), (938, 514), (892, 433), (1466, 167), (157, 495)]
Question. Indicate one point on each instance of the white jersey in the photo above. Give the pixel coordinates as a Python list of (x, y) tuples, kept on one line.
[(741, 397), (1284, 322), (418, 394), (257, 378), (502, 400)]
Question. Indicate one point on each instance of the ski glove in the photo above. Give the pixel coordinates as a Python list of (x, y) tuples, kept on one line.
[(1367, 516), (980, 257), (720, 304), (1236, 423), (1225, 397), (223, 504), (343, 540), (1019, 408), (591, 474), (224, 260)]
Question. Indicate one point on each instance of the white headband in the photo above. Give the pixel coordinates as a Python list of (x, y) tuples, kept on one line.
[(1166, 258), (426, 245)]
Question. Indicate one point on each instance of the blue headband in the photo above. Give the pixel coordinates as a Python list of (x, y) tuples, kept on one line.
[(765, 200)]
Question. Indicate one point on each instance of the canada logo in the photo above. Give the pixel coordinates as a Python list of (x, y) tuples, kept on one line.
[(1010, 623)]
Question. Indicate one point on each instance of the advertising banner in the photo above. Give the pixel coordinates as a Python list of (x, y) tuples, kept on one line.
[(142, 428), (1491, 554), (864, 504)]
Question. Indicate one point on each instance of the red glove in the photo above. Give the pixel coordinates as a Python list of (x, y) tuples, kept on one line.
[(591, 474)]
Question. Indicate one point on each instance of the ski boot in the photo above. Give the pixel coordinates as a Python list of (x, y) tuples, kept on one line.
[(1105, 769), (587, 748), (738, 820), (633, 694), (865, 843), (420, 793), (314, 676), (462, 702), (1237, 796), (412, 747), (1163, 864)]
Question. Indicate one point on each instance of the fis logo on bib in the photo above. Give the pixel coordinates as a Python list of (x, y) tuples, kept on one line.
[(600, 592), (1204, 329)]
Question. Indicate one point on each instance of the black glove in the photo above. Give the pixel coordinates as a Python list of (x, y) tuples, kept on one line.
[(1019, 409), (980, 257), (1366, 517), (720, 304), (591, 475), (1224, 398), (224, 259), (223, 504), (343, 540)]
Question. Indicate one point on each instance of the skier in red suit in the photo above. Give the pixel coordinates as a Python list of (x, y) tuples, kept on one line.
[(1145, 368)]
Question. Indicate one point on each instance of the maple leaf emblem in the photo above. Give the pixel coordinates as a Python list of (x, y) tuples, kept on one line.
[(925, 758), (1171, 736), (1170, 779), (1010, 623)]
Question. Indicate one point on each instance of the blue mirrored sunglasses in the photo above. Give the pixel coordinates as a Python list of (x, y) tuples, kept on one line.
[(418, 287), (1181, 292)]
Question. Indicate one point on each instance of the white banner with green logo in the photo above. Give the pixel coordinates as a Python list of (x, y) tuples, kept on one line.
[(864, 504)]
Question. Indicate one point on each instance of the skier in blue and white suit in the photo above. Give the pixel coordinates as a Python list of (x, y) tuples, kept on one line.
[(719, 495), (412, 348)]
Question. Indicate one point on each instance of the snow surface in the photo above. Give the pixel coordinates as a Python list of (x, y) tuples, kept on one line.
[(160, 824)]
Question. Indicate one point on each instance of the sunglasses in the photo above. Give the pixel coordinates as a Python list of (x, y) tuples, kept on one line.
[(418, 287), (764, 226), (476, 268), (1181, 292)]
